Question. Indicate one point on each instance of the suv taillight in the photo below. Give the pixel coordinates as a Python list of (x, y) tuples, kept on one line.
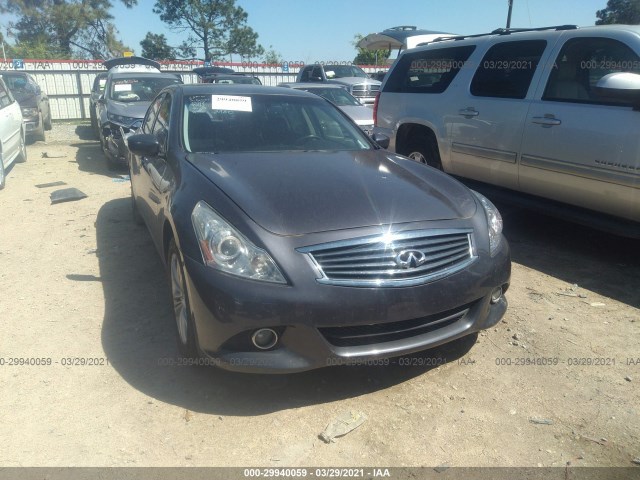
[(375, 110)]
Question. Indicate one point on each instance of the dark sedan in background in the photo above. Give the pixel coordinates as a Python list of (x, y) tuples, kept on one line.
[(294, 241)]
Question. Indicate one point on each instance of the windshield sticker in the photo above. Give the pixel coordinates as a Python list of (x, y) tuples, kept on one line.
[(330, 73), (122, 87), (231, 102)]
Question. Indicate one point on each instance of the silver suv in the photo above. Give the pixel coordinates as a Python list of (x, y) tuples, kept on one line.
[(551, 113)]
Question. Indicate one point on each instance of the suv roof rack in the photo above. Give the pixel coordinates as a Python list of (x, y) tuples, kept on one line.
[(503, 31)]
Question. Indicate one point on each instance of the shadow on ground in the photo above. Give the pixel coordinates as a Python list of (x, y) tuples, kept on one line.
[(597, 261), (86, 132), (90, 158), (138, 338)]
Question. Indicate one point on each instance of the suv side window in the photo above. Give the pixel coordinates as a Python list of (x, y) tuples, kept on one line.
[(507, 69), (428, 71), (581, 63)]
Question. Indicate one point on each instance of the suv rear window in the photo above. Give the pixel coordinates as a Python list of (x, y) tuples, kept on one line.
[(427, 71), (507, 69)]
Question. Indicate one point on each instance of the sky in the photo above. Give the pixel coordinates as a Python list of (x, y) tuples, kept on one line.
[(323, 30)]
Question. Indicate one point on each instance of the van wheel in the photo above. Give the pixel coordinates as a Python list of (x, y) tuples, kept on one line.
[(424, 149)]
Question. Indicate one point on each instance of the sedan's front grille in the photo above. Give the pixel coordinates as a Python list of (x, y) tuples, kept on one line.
[(359, 335), (393, 260)]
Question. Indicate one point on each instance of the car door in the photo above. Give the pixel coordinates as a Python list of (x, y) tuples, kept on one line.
[(156, 167), (579, 147), (487, 120), (140, 181), (10, 125)]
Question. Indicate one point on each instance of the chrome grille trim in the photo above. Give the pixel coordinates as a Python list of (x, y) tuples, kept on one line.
[(371, 261)]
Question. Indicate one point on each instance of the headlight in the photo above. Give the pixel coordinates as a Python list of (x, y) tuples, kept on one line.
[(29, 112), (494, 222), (226, 249), (121, 119)]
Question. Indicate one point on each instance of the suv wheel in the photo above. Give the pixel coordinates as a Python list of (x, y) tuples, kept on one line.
[(424, 149)]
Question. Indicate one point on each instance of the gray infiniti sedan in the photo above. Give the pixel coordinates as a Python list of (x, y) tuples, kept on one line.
[(293, 240)]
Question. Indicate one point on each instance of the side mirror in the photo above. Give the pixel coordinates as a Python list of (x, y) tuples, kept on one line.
[(381, 140), (145, 144), (620, 86), (101, 98)]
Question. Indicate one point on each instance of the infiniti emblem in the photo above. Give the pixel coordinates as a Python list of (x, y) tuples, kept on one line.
[(410, 259)]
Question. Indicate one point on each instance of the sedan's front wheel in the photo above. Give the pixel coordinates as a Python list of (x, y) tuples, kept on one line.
[(186, 334)]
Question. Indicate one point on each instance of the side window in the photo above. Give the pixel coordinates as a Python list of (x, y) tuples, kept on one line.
[(316, 74), (150, 118), (306, 74), (507, 69), (581, 63), (428, 71), (5, 97), (161, 127)]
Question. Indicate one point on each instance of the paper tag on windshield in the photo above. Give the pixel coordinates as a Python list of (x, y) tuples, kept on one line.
[(231, 102), (122, 87)]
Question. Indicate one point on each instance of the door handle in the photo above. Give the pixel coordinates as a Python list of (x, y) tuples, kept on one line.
[(469, 112), (547, 121)]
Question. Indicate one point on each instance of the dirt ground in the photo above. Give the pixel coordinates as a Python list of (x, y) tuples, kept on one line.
[(80, 281)]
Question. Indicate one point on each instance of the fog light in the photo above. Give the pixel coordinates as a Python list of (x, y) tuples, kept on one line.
[(496, 295), (265, 338)]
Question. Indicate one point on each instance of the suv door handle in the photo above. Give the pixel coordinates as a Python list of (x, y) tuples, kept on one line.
[(547, 121), (469, 112)]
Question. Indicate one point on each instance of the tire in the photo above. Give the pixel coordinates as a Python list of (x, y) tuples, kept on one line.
[(185, 326), (41, 135), (423, 148), (47, 124), (22, 156)]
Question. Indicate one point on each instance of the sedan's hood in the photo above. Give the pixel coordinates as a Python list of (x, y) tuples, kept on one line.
[(360, 114), (131, 109), (294, 193)]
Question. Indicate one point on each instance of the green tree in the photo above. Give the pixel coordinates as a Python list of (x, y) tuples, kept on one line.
[(155, 46), (272, 57), (620, 11), (218, 27), (67, 28), (369, 57)]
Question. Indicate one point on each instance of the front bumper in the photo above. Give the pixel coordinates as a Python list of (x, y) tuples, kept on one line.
[(32, 125), (114, 145), (322, 325)]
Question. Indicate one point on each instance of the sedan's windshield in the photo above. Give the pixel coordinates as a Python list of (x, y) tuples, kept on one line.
[(341, 71), (138, 89), (339, 96), (263, 123)]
